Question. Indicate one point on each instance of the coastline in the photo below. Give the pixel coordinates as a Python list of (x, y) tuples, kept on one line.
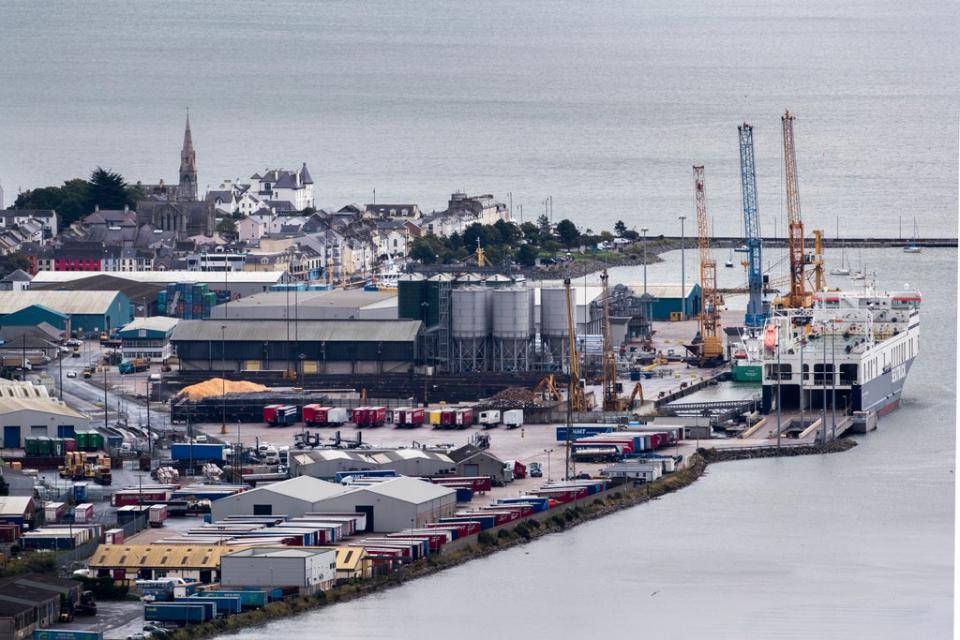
[(507, 537)]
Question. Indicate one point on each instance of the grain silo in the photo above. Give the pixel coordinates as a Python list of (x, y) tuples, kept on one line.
[(553, 328), (513, 315), (471, 316)]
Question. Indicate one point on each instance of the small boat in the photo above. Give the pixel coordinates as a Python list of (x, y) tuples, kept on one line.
[(913, 247), (860, 273), (386, 280), (729, 263), (843, 269)]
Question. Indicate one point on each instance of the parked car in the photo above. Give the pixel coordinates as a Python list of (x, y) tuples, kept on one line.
[(71, 374)]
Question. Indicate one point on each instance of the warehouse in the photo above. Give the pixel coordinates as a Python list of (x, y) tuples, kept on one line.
[(238, 283), (668, 302), (307, 346), (33, 601), (293, 497), (148, 338), (339, 304), (26, 411), (92, 311), (327, 463), (472, 461), (307, 569), (17, 509), (149, 561), (396, 503), (142, 296), (38, 315)]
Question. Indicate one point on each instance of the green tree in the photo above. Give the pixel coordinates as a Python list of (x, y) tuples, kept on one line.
[(69, 201), (530, 231), (527, 255), (10, 263), (509, 233), (227, 226), (569, 235), (543, 222), (489, 237), (620, 228), (108, 190)]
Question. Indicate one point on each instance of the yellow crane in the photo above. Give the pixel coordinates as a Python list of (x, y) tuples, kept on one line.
[(611, 394), (711, 345), (578, 400)]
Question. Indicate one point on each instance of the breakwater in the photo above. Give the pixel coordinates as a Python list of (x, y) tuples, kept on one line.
[(750, 453)]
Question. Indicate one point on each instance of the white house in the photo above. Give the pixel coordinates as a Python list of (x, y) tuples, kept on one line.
[(250, 230), (295, 186)]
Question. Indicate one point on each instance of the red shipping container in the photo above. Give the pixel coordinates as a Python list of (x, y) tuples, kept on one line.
[(378, 416), (310, 412), (447, 417), (69, 444), (270, 413), (359, 416)]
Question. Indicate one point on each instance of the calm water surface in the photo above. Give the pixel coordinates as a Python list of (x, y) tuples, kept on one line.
[(606, 107)]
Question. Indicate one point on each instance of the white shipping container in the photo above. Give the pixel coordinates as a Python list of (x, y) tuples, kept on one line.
[(337, 415), (53, 511), (83, 513), (513, 418), (158, 514), (491, 416)]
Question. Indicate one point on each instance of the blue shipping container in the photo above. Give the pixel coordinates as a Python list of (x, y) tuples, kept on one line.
[(464, 494), (196, 451), (225, 604), (251, 598), (582, 431), (66, 634), (177, 612)]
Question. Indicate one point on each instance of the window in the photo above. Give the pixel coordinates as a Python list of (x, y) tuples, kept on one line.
[(848, 374), (263, 509), (823, 374), (786, 371)]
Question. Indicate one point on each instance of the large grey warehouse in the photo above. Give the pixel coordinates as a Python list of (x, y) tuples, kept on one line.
[(327, 463), (339, 304), (306, 346), (392, 505)]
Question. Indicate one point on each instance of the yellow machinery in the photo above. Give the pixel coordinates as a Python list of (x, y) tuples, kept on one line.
[(819, 282), (480, 255), (711, 344), (78, 465), (547, 388), (658, 361), (575, 395)]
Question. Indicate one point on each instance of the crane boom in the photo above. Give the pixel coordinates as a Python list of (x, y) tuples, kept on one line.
[(711, 346), (756, 311), (577, 400), (611, 399), (798, 294)]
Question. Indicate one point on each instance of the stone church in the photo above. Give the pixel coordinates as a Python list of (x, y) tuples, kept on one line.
[(177, 208)]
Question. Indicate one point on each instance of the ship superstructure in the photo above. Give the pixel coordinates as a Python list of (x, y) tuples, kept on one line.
[(855, 346)]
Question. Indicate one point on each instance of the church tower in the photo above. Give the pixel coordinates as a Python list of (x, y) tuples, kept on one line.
[(187, 191)]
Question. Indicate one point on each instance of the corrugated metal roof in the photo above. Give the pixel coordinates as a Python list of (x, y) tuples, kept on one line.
[(163, 277), (154, 323), (307, 330), (409, 490), (155, 556), (355, 298), (662, 290), (90, 303), (302, 488), (14, 505)]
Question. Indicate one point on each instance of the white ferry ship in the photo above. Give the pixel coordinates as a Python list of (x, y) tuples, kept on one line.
[(871, 336)]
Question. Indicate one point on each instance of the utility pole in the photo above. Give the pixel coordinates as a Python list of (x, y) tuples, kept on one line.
[(833, 379), (106, 406), (223, 379), (823, 383), (61, 374), (149, 432), (779, 379), (683, 271)]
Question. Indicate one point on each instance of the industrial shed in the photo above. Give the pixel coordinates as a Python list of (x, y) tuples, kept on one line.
[(396, 503), (293, 497), (139, 294), (148, 338), (17, 509), (669, 299), (472, 461), (339, 304), (306, 346), (327, 463), (35, 315), (91, 312), (26, 411), (33, 601), (238, 283), (149, 561), (308, 569)]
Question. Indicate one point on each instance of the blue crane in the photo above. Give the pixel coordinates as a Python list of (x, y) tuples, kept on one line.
[(756, 308)]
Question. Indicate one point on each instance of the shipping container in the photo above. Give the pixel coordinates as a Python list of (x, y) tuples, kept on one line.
[(147, 495), (66, 634), (407, 417), (489, 418), (435, 417), (226, 604), (513, 418), (197, 451), (479, 484), (83, 513), (54, 511), (158, 515), (177, 612), (581, 431), (279, 415), (463, 418), (113, 536)]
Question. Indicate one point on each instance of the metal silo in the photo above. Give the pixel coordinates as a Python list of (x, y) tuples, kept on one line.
[(513, 309), (553, 327), (470, 329)]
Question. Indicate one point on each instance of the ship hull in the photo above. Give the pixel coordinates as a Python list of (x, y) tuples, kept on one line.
[(882, 394)]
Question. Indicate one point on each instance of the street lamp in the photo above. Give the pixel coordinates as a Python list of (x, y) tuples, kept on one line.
[(223, 379), (548, 452), (683, 271), (644, 230)]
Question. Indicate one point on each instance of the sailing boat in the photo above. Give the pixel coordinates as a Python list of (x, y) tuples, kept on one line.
[(729, 263), (912, 247), (860, 274), (843, 269)]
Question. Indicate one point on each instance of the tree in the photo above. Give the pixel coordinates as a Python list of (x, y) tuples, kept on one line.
[(509, 233), (620, 228), (108, 190), (530, 231), (569, 235), (630, 234), (69, 201), (527, 256), (227, 226), (11, 262), (543, 222)]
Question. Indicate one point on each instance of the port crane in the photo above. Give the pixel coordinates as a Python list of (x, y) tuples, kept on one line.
[(711, 345), (756, 308), (798, 297), (576, 398)]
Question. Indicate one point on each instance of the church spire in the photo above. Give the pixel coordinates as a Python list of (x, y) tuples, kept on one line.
[(188, 166)]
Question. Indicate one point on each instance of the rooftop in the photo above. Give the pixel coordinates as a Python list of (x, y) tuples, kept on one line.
[(164, 277), (307, 330), (408, 489), (92, 303)]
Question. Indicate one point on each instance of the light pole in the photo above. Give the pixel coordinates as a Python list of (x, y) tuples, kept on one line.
[(823, 390), (61, 373), (683, 271), (548, 452), (833, 379), (644, 231), (779, 379), (223, 379)]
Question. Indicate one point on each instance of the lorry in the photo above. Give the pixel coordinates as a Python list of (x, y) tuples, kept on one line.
[(134, 365), (88, 372), (279, 415), (512, 418), (489, 418), (534, 470)]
